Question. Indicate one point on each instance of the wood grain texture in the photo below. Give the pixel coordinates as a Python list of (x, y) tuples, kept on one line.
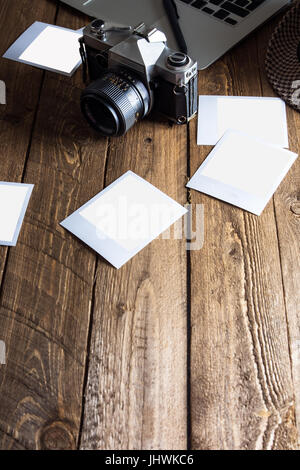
[(242, 395), (22, 89), (48, 280), (205, 342), (136, 390), (287, 213)]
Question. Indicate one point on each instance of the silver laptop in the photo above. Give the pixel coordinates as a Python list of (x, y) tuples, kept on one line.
[(210, 27)]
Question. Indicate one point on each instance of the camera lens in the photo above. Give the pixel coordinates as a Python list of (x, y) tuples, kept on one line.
[(115, 102)]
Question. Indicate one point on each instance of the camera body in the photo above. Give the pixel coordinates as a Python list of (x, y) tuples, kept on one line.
[(132, 72)]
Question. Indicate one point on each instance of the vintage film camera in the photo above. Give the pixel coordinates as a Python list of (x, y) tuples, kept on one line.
[(132, 71)]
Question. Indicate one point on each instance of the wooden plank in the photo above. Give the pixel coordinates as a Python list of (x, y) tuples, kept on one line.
[(241, 386), (136, 390), (23, 87), (47, 289), (287, 212), (242, 394)]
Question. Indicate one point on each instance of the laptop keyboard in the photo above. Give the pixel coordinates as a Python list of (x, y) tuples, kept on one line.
[(228, 11)]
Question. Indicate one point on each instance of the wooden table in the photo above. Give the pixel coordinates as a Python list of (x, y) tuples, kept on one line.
[(178, 349)]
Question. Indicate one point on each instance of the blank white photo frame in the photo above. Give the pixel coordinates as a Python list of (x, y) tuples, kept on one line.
[(264, 118), (14, 199), (123, 218), (243, 171), (2, 92), (48, 47)]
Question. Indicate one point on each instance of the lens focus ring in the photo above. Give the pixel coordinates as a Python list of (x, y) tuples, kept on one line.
[(127, 98), (117, 96)]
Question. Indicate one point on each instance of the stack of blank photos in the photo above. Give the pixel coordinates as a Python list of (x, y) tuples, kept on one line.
[(250, 158)]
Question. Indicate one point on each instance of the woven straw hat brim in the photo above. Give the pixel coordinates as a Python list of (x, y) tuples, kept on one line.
[(282, 62)]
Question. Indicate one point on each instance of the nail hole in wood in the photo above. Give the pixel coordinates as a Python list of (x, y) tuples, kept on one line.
[(295, 208)]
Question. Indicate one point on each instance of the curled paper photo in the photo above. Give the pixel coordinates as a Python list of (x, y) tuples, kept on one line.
[(48, 47)]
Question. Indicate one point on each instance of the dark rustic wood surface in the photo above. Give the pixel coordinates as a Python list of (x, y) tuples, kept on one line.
[(178, 349)]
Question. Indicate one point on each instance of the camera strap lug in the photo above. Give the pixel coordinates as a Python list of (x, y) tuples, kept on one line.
[(83, 58)]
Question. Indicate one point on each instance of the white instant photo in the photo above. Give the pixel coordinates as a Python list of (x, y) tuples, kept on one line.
[(14, 199), (264, 118), (243, 171), (123, 218), (48, 47)]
